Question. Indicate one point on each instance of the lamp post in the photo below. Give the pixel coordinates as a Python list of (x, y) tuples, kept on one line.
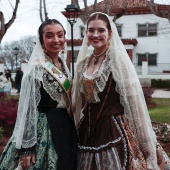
[(16, 52), (72, 14)]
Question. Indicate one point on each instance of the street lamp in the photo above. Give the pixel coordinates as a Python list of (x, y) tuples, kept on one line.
[(16, 52), (72, 13)]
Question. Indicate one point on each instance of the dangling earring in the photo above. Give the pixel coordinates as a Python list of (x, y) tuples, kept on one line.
[(63, 50), (108, 44), (44, 50), (88, 44)]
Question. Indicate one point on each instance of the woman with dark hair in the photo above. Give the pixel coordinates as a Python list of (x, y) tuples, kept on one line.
[(44, 136), (115, 130)]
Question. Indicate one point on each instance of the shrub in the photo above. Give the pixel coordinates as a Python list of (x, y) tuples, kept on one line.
[(160, 83), (1, 133), (8, 108), (148, 91)]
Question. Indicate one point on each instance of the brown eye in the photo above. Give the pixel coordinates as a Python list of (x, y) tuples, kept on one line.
[(101, 30), (91, 31), (60, 35)]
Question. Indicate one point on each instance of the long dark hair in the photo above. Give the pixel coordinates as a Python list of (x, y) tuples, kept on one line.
[(47, 22), (101, 17)]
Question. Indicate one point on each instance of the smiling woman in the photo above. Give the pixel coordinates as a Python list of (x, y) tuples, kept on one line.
[(115, 130), (44, 136)]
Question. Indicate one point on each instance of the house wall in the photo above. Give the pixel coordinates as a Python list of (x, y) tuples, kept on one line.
[(159, 44), (76, 29)]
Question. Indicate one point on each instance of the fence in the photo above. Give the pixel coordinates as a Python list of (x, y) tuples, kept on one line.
[(161, 71)]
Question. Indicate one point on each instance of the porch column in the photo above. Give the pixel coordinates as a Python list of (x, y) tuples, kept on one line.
[(144, 67), (1, 66), (23, 65)]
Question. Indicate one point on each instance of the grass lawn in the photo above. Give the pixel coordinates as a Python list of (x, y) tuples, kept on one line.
[(161, 113)]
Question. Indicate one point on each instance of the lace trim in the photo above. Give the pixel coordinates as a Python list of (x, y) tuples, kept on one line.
[(54, 89), (112, 142), (124, 142), (101, 146), (26, 153), (99, 78)]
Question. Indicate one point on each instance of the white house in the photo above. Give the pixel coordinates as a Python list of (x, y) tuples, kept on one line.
[(145, 36)]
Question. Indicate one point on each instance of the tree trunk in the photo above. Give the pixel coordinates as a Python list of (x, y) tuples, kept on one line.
[(163, 13), (10, 22)]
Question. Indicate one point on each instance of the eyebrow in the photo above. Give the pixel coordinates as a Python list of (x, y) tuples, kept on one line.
[(52, 32), (94, 28)]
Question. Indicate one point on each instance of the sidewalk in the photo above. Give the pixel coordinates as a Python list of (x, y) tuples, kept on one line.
[(158, 93), (14, 92), (161, 93)]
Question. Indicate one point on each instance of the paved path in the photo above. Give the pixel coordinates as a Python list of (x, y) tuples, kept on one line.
[(14, 92), (161, 93), (158, 93)]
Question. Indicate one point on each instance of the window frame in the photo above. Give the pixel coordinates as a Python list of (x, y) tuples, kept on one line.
[(82, 28), (119, 30), (147, 31), (146, 57)]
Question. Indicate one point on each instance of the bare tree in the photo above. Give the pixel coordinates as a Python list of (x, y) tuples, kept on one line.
[(25, 46), (4, 27), (104, 6), (159, 10), (45, 14)]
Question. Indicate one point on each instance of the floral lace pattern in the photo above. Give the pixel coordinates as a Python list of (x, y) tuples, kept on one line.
[(104, 160), (53, 88), (44, 150), (98, 79)]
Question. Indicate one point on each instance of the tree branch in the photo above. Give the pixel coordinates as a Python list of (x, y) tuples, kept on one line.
[(165, 13), (10, 22), (41, 18)]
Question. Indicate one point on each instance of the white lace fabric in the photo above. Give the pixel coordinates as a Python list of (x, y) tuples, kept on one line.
[(25, 131), (129, 88), (99, 78), (107, 159)]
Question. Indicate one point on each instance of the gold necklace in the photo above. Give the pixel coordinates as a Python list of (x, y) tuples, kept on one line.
[(96, 57)]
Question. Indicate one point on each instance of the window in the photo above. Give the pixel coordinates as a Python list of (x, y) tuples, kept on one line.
[(151, 58), (119, 30), (142, 30), (147, 30), (141, 57), (81, 31), (152, 29), (75, 55)]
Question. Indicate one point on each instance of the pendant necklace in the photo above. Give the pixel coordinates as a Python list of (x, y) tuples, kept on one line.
[(60, 68), (96, 57)]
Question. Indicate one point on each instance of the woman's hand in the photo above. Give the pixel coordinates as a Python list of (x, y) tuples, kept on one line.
[(26, 161)]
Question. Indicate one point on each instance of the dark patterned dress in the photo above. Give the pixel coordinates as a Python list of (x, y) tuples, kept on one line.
[(106, 140), (57, 141)]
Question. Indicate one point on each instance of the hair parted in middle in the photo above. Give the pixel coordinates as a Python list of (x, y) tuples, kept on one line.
[(45, 23), (101, 17)]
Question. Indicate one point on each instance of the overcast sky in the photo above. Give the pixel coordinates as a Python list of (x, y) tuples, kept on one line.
[(162, 2), (28, 21)]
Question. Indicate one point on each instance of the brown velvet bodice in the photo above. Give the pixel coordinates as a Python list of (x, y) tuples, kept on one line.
[(100, 123)]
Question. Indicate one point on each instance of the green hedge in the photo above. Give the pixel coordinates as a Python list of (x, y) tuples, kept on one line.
[(160, 83), (1, 133)]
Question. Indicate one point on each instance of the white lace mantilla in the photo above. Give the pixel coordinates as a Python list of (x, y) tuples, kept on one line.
[(54, 89), (99, 77)]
